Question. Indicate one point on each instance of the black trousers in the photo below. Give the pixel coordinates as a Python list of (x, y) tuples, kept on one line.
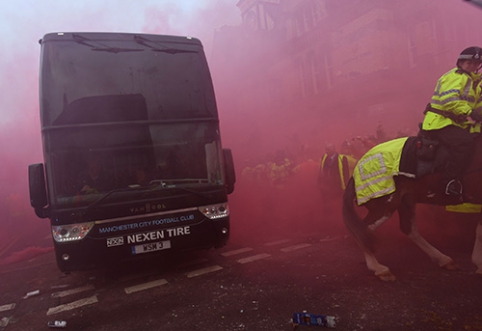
[(460, 145)]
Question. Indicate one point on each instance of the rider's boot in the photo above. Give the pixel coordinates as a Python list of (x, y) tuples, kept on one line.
[(454, 188)]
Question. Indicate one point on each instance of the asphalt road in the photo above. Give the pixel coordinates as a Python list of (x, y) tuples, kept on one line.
[(254, 283)]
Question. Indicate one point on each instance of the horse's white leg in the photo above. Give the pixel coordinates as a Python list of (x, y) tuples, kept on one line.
[(442, 260), (409, 227), (380, 270), (477, 252)]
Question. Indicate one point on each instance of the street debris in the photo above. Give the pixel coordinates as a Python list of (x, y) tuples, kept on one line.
[(57, 324), (305, 318)]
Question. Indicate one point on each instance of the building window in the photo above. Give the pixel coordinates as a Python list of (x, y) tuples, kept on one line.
[(299, 21), (315, 73), (421, 42), (329, 70), (449, 32), (318, 11), (308, 18), (303, 79)]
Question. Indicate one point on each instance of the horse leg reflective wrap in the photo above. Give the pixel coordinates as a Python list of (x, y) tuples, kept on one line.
[(477, 252)]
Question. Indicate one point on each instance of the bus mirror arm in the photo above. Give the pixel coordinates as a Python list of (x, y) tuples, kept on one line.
[(42, 212), (230, 175), (38, 193)]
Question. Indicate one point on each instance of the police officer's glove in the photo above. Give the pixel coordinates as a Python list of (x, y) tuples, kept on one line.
[(476, 116)]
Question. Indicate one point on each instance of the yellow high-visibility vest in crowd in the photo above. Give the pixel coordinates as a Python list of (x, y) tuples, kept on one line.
[(341, 168)]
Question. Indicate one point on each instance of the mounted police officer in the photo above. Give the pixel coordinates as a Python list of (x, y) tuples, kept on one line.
[(449, 116)]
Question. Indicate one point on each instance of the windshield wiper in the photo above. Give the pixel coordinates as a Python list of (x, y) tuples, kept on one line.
[(171, 50), (161, 184), (118, 49), (171, 184), (144, 42), (104, 48), (81, 40), (130, 188)]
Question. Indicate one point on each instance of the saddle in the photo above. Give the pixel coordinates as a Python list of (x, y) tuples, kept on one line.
[(422, 156)]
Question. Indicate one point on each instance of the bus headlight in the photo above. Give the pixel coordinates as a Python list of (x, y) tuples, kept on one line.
[(72, 232), (215, 211)]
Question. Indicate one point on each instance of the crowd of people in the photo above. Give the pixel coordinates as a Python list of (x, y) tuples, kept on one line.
[(316, 182), (301, 185), (334, 165)]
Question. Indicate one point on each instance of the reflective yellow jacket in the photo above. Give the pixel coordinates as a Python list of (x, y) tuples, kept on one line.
[(457, 92), (345, 171)]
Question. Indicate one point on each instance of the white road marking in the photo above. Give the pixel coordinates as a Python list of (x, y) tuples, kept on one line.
[(295, 247), (65, 293), (277, 242), (253, 258), (7, 307), (145, 286), (330, 239), (203, 271), (72, 305), (237, 251)]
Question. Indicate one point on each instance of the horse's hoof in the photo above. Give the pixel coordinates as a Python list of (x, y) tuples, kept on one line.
[(451, 266), (387, 276)]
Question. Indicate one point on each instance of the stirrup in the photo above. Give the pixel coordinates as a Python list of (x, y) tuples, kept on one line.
[(454, 187)]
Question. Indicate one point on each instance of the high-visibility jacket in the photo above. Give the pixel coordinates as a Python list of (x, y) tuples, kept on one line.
[(342, 168), (351, 163), (279, 173), (457, 92), (257, 173)]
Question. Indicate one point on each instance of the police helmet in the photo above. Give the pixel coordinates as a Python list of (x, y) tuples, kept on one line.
[(471, 53)]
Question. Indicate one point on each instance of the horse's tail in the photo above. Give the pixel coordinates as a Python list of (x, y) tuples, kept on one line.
[(353, 222)]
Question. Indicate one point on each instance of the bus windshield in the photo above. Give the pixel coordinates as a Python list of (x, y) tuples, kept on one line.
[(115, 116)]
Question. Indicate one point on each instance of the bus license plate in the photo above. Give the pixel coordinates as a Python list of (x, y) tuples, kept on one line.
[(151, 247)]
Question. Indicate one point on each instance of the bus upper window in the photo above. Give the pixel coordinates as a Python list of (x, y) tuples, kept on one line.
[(100, 109), (84, 80)]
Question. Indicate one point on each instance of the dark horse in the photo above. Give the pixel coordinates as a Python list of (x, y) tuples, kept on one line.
[(408, 192)]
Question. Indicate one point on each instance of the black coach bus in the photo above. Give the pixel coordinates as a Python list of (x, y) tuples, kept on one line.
[(133, 161)]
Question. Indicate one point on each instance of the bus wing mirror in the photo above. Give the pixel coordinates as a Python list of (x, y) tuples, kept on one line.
[(38, 193), (230, 175)]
